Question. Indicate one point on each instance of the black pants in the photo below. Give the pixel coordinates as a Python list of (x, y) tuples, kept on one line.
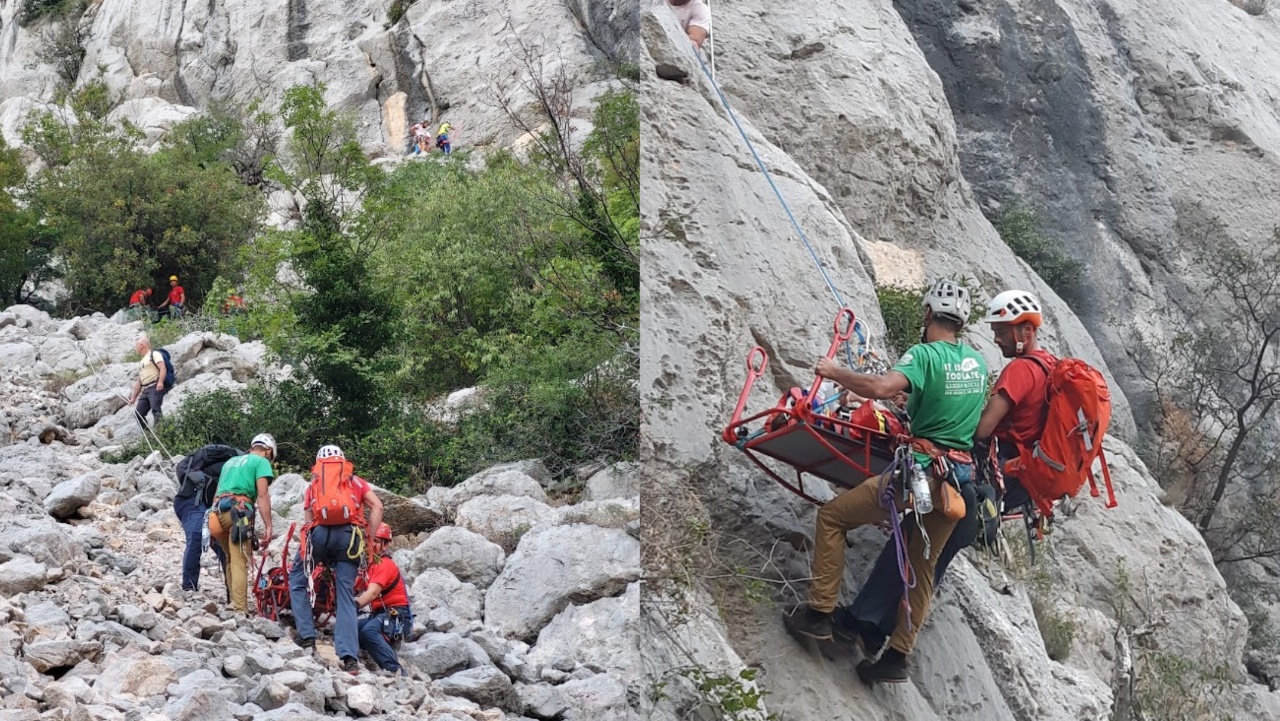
[(874, 613), (150, 401)]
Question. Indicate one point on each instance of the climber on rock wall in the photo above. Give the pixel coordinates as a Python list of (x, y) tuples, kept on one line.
[(694, 17), (1014, 415), (947, 383)]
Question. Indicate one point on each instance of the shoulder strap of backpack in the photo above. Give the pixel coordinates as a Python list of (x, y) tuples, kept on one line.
[(1040, 361), (391, 586)]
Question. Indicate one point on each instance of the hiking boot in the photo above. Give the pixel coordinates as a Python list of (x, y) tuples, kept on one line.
[(891, 668), (305, 642), (805, 621), (350, 665)]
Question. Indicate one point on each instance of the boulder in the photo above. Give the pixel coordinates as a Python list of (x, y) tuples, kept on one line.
[(621, 480), (613, 513), (554, 566), (45, 656), (504, 519), (441, 600), (509, 479), (20, 575), (18, 355), (216, 361), (142, 677), (405, 515), (70, 496), (363, 699), (286, 491), (43, 539), (597, 697), (158, 484), (436, 654), (485, 685), (603, 634), (92, 407), (468, 555), (63, 355)]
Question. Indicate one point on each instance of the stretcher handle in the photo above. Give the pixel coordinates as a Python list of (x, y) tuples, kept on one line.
[(757, 361), (842, 336)]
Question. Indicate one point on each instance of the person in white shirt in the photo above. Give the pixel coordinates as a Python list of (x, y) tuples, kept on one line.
[(694, 17)]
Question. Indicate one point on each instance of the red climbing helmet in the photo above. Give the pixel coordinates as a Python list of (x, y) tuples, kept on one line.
[(384, 532)]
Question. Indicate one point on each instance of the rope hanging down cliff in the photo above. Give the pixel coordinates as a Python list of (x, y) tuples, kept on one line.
[(866, 353)]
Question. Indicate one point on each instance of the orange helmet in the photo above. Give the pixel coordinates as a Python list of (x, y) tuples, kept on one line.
[(384, 532)]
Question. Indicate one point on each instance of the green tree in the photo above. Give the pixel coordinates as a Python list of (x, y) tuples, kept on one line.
[(1020, 230), (26, 246), (341, 324), (243, 137), (127, 219)]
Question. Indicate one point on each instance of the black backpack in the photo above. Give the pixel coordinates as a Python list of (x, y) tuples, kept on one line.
[(198, 473)]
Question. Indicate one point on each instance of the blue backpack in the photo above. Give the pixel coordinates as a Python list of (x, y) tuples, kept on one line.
[(169, 376)]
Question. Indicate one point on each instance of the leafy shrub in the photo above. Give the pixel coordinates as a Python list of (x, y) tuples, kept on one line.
[(62, 46), (900, 308), (397, 10), (1020, 230), (32, 10), (902, 311), (1056, 628), (26, 245), (127, 219)]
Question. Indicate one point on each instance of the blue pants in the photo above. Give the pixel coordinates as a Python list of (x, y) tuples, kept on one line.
[(373, 641), (328, 547), (190, 514)]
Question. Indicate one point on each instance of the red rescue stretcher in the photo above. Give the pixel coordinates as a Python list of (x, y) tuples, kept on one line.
[(845, 452), (271, 590)]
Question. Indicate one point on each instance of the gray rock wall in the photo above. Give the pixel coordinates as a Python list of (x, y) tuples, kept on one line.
[(168, 58), (1121, 123), (860, 136)]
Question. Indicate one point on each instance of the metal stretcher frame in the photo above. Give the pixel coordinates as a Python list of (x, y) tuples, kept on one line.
[(829, 448), (271, 588)]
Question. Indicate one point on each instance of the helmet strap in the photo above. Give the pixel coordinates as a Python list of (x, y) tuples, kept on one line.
[(1021, 338)]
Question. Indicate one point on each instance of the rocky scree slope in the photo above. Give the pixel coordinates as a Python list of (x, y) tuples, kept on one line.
[(167, 59), (526, 607), (724, 272)]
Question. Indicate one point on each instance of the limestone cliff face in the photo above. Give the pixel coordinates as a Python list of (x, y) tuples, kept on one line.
[(1124, 123), (871, 149), (169, 58)]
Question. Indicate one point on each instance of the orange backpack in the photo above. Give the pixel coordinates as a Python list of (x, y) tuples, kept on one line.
[(1076, 419), (334, 498)]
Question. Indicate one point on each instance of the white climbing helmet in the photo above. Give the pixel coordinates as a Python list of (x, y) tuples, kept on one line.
[(1014, 306), (329, 452), (266, 440), (948, 299)]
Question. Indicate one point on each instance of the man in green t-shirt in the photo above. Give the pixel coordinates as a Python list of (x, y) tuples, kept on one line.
[(242, 492), (947, 383)]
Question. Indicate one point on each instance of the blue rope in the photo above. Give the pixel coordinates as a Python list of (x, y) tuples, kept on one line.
[(794, 223)]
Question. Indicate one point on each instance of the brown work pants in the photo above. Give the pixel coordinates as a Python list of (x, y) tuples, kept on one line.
[(237, 565), (860, 506)]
